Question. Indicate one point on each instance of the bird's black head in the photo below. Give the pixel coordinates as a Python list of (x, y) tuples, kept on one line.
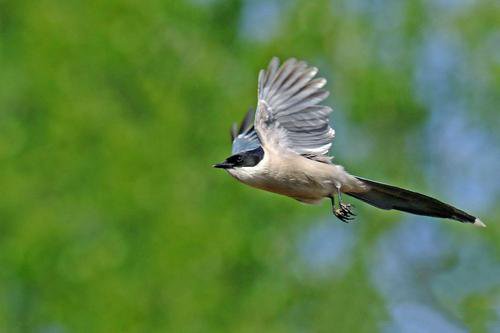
[(248, 158)]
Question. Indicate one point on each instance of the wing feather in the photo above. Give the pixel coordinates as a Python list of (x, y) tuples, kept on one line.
[(245, 138), (289, 113)]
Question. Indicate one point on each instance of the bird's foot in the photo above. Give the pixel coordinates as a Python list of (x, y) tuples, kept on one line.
[(344, 213)]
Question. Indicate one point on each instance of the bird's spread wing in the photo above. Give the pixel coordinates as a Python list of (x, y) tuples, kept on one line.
[(245, 138), (288, 111)]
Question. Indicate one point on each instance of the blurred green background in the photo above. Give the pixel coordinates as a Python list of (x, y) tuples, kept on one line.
[(112, 219)]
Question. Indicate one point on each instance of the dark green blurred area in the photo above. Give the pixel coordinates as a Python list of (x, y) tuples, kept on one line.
[(112, 113)]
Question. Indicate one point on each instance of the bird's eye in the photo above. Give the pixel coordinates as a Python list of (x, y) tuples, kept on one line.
[(239, 159)]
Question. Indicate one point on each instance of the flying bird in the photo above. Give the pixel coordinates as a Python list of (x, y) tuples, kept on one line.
[(282, 147)]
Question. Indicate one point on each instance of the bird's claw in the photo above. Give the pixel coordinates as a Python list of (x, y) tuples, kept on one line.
[(344, 213)]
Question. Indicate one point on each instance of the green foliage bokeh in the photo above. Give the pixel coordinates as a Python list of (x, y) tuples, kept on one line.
[(111, 115)]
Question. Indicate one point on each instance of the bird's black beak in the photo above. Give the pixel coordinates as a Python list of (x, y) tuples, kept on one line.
[(223, 165)]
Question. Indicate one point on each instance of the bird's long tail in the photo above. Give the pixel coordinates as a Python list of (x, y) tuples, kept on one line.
[(391, 197)]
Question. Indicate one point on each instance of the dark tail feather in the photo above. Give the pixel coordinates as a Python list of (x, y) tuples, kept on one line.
[(392, 197)]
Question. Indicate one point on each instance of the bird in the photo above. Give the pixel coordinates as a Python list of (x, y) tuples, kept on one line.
[(282, 146)]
